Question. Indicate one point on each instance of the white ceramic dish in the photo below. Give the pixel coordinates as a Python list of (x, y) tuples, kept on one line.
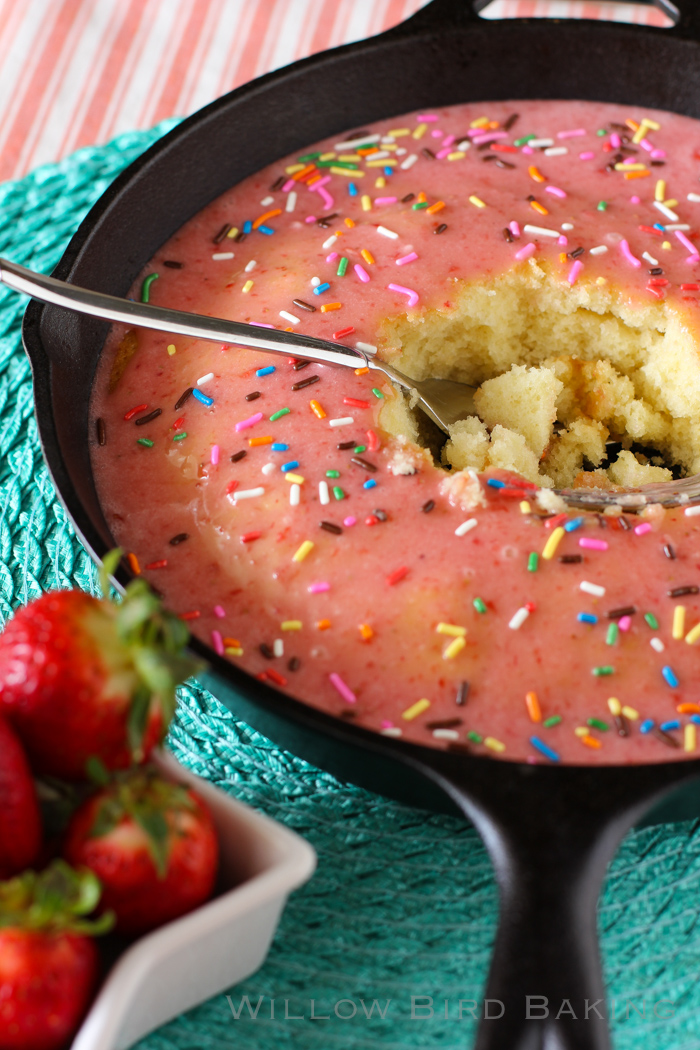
[(216, 946)]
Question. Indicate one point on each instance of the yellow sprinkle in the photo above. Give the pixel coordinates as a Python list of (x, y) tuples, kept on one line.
[(398, 133), (233, 232), (380, 183), (601, 280), (581, 731), (493, 745), (678, 630), (454, 649), (323, 625), (666, 246), (640, 133), (134, 564), (525, 507), (660, 190), (305, 549), (290, 625), (293, 168), (349, 222), (347, 172), (590, 741), (330, 306), (267, 439), (366, 631), (535, 174), (367, 256), (388, 161), (614, 706), (630, 167), (318, 409), (690, 737), (247, 286), (366, 202), (420, 131), (671, 203), (232, 650), (457, 155), (415, 709), (693, 635), (451, 628), (344, 156), (480, 122), (651, 124), (539, 207), (172, 349), (552, 543), (476, 201), (361, 371), (533, 707), (438, 206), (296, 479), (631, 713)]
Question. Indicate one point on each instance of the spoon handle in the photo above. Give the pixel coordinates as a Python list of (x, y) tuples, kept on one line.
[(145, 315)]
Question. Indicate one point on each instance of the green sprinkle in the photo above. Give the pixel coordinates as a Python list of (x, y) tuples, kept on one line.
[(419, 205), (179, 437), (532, 561), (474, 737), (652, 621), (360, 448), (337, 164), (146, 442), (601, 672), (377, 392), (552, 721), (524, 140), (600, 132), (309, 156), (602, 205), (278, 415), (342, 267), (338, 492), (479, 605), (146, 286), (598, 723), (612, 635), (332, 473)]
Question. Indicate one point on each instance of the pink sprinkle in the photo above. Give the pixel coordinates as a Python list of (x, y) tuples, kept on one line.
[(343, 689), (260, 324), (385, 200), (310, 219), (588, 543), (361, 273), (387, 724), (219, 611), (575, 271), (635, 199), (493, 136), (615, 140), (289, 185), (328, 201), (441, 154), (318, 588), (625, 249), (448, 140), (529, 249), (349, 522), (641, 530), (321, 182), (413, 297), (249, 422), (528, 150), (563, 240), (624, 623), (406, 259), (586, 155), (658, 154), (218, 642), (629, 160), (685, 242), (436, 133), (214, 455), (555, 191), (571, 134), (514, 228), (692, 259), (646, 144), (332, 257), (426, 118)]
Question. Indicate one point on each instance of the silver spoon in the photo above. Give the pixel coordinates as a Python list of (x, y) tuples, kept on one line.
[(441, 399)]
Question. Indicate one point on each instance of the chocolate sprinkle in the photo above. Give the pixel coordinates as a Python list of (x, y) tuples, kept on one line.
[(298, 365), (656, 271), (185, 396), (441, 228), (501, 163), (237, 456), (428, 506), (407, 198), (445, 723), (222, 233), (253, 396), (294, 663), (511, 121), (305, 382), (680, 592), (669, 551), (507, 235), (626, 610), (266, 650), (147, 419), (101, 431), (491, 156), (571, 559), (240, 237), (327, 218), (624, 524), (428, 153), (460, 748), (365, 464), (278, 183), (381, 514), (180, 538), (173, 264), (329, 526), (621, 725), (462, 694), (304, 306), (576, 253), (665, 737), (345, 445)]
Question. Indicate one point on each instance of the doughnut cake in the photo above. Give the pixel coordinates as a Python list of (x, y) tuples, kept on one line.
[(315, 528)]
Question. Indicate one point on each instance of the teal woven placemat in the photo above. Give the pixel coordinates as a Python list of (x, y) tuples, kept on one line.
[(403, 903)]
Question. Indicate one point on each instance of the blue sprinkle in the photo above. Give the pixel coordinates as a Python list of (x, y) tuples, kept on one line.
[(352, 189), (544, 748), (388, 170), (202, 397), (587, 618), (670, 677), (673, 724), (266, 371), (696, 719), (369, 484), (496, 484), (247, 226), (266, 229), (647, 726), (574, 524), (321, 288), (659, 226), (292, 465), (278, 446)]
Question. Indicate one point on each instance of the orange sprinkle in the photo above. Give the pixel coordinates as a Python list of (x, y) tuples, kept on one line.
[(232, 642), (632, 124), (323, 625), (349, 222), (536, 174), (421, 197), (194, 615), (317, 409), (438, 206), (134, 564), (539, 207), (688, 709), (267, 440), (361, 371), (365, 151), (533, 707), (637, 174), (330, 306), (304, 171), (367, 256), (267, 215), (366, 631), (590, 741), (562, 257)]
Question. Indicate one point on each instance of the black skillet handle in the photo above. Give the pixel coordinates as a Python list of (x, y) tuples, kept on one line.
[(551, 833)]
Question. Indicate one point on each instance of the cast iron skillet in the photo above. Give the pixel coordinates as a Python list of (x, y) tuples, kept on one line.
[(550, 831)]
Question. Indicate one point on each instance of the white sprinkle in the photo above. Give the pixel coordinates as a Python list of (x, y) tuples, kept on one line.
[(343, 422), (400, 152), (650, 259), (540, 143), (409, 161), (351, 143), (600, 250), (315, 281), (557, 151), (268, 468), (445, 734), (380, 155), (519, 619), (249, 267), (205, 379), (592, 588), (267, 200), (278, 644), (464, 145), (386, 233), (246, 494), (541, 231), (294, 495), (657, 644), (567, 226), (330, 241), (683, 226), (292, 318), (665, 211), (692, 512), (367, 348), (694, 197), (323, 496), (391, 731), (466, 527), (291, 201), (387, 139), (222, 255)]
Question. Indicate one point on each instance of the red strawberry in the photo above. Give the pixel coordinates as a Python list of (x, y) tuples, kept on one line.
[(20, 822), (83, 677), (151, 843), (48, 961)]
